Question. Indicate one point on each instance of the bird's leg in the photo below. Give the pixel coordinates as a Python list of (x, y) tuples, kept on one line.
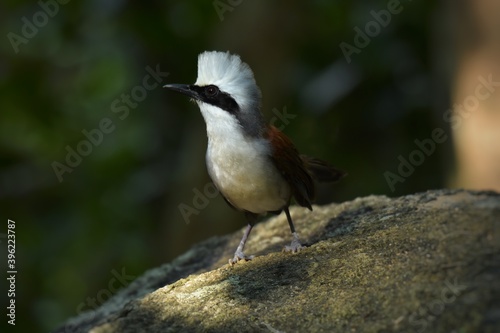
[(239, 255), (295, 245)]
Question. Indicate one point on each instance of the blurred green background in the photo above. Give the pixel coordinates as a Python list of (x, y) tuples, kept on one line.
[(118, 208)]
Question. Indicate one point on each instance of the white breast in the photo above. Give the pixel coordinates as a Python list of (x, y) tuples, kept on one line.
[(240, 166)]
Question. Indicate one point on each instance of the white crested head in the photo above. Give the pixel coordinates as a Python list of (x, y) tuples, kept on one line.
[(230, 75)]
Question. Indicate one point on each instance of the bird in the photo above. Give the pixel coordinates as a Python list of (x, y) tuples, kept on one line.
[(255, 166)]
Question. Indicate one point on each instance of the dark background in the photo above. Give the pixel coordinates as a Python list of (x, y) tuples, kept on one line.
[(118, 209)]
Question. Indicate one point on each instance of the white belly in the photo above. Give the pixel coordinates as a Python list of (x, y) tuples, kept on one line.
[(245, 175)]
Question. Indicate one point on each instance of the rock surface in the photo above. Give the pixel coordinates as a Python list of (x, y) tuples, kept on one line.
[(428, 262)]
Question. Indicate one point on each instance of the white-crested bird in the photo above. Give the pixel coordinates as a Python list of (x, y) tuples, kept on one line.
[(255, 167)]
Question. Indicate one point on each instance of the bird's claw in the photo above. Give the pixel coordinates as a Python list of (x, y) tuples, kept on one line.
[(239, 255), (295, 245)]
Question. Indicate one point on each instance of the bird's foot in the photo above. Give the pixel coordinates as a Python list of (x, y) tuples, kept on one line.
[(239, 255), (295, 245)]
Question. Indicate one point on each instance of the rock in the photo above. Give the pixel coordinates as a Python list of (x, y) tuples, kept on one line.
[(428, 262)]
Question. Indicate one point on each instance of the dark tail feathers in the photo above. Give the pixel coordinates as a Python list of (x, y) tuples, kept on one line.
[(321, 171)]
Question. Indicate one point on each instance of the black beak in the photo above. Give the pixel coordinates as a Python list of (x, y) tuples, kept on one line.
[(184, 89)]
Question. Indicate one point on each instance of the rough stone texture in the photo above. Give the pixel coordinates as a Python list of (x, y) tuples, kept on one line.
[(428, 262)]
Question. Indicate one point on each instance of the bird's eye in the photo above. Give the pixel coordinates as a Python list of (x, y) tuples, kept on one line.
[(212, 91)]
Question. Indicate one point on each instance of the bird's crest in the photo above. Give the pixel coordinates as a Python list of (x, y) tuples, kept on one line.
[(230, 75)]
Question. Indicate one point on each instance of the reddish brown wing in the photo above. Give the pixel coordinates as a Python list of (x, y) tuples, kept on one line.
[(288, 161)]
